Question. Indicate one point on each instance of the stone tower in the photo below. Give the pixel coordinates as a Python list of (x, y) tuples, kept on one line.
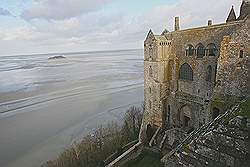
[(157, 55), (157, 65)]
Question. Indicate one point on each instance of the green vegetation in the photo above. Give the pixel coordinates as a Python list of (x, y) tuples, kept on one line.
[(146, 159), (245, 108), (224, 102), (96, 149)]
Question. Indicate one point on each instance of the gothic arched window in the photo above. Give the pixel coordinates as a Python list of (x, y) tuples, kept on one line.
[(200, 50), (186, 72), (190, 50), (212, 50), (209, 73)]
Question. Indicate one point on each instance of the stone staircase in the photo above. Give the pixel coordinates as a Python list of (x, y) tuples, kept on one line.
[(154, 142), (163, 139)]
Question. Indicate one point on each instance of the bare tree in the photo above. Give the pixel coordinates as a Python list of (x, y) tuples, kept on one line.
[(95, 148)]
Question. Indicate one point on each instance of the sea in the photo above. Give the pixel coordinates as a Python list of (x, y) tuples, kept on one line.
[(47, 105)]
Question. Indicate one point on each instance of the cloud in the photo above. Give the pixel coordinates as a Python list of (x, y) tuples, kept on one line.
[(191, 12), (22, 33), (4, 12), (61, 9), (93, 29)]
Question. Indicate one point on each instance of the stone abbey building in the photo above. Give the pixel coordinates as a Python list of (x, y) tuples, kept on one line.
[(196, 95), (185, 69)]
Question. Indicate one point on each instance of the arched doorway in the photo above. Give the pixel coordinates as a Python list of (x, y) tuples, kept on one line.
[(185, 116), (215, 112)]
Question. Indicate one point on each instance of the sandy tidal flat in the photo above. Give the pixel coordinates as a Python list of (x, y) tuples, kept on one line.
[(45, 106)]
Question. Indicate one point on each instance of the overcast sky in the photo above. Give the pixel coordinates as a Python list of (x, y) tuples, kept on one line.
[(44, 26)]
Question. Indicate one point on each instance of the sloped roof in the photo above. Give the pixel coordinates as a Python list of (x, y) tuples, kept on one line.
[(231, 16), (160, 37)]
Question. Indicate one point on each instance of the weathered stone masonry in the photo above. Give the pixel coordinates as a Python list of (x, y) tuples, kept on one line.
[(184, 69)]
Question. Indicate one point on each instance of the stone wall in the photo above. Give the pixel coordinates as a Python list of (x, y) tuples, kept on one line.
[(205, 36), (166, 94), (233, 64), (180, 103), (156, 54)]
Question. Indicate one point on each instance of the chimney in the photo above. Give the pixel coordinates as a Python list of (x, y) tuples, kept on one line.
[(177, 24), (209, 23)]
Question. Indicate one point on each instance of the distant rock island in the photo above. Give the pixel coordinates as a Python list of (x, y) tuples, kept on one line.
[(57, 57)]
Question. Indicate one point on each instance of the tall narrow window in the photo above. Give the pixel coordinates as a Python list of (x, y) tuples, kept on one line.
[(170, 70), (150, 72), (168, 116), (241, 53), (200, 51), (150, 105), (190, 50), (209, 73), (186, 72), (150, 51)]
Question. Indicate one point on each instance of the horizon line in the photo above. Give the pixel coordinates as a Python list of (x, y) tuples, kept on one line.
[(73, 52)]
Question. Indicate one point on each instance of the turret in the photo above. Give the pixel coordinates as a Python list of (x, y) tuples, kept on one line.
[(231, 16)]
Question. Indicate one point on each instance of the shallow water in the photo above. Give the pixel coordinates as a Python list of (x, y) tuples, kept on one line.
[(46, 105)]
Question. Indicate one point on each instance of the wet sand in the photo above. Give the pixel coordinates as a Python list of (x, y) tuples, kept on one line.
[(37, 123), (40, 132)]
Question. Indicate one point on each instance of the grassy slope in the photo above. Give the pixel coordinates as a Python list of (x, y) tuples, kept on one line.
[(245, 109), (146, 159)]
